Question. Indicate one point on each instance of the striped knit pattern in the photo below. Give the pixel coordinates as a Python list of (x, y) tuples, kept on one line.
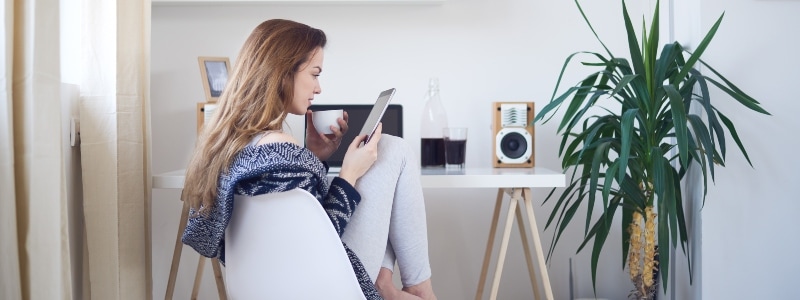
[(271, 168)]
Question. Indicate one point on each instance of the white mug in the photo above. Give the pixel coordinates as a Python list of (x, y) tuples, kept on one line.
[(324, 119)]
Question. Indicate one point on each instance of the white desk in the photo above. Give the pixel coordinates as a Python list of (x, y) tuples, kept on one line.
[(439, 178), (515, 182), (491, 178)]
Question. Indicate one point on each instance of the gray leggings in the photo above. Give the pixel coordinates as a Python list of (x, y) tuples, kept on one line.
[(390, 221)]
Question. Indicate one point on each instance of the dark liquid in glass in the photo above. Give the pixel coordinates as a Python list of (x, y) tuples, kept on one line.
[(456, 150), (432, 153)]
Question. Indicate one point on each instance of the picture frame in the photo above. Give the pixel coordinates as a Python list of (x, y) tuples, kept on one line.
[(214, 72)]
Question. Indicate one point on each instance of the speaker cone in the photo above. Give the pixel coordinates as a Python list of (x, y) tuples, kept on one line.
[(513, 145)]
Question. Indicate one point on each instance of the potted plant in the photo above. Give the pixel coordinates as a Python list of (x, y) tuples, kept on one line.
[(631, 130)]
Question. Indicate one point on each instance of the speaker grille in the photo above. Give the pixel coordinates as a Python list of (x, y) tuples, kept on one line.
[(514, 114)]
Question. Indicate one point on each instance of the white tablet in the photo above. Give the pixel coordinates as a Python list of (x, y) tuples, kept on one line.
[(376, 113)]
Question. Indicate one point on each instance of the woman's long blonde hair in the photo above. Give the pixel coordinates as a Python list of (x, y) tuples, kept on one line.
[(254, 100)]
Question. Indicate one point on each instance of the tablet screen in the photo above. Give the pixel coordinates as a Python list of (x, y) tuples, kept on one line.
[(377, 113)]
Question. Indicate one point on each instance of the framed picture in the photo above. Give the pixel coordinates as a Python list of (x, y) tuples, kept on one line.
[(214, 72)]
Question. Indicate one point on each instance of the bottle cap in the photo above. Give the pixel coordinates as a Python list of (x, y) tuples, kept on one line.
[(433, 83)]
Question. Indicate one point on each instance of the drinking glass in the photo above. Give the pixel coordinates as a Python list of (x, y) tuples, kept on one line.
[(455, 147)]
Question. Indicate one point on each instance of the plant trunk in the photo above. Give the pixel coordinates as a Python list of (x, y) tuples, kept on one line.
[(642, 255)]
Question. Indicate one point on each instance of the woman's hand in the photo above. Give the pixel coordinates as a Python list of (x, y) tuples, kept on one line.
[(323, 145), (359, 159)]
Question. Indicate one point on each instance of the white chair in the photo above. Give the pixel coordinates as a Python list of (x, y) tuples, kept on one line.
[(283, 246)]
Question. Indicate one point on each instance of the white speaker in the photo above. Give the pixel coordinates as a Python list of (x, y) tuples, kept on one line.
[(513, 135)]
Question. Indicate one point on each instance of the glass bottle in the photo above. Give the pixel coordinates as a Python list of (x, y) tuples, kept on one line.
[(434, 119)]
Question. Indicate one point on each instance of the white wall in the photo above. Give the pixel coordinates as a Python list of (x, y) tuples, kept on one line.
[(750, 228), (484, 51)]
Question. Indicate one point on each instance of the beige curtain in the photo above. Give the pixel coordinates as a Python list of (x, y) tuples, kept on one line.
[(36, 168), (10, 285), (35, 252), (114, 147)]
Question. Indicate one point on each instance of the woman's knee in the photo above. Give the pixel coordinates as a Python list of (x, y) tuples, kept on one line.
[(393, 148)]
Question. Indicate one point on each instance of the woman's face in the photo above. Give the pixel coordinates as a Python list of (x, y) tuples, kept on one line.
[(306, 83)]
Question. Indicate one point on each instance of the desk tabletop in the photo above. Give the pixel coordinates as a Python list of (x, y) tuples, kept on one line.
[(439, 178), (492, 178)]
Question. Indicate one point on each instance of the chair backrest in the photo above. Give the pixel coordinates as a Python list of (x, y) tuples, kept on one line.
[(283, 246)]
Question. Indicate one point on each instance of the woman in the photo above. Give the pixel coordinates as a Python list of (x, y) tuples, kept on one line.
[(242, 150)]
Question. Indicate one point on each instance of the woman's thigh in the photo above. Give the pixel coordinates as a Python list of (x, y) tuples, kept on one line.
[(367, 231)]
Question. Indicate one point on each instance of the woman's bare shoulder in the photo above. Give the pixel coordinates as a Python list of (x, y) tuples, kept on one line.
[(277, 137)]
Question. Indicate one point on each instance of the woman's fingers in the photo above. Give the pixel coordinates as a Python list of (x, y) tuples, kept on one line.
[(356, 142), (343, 123), (376, 136)]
